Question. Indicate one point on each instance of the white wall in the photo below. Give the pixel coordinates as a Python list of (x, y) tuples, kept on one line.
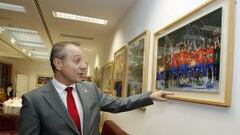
[(173, 117), (92, 59), (31, 69)]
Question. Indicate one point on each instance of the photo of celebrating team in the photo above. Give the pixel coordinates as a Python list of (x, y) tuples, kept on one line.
[(188, 59)]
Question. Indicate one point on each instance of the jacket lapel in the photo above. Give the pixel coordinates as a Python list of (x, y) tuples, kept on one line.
[(56, 103), (82, 91)]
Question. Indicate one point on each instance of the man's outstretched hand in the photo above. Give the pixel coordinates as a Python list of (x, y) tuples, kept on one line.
[(160, 95)]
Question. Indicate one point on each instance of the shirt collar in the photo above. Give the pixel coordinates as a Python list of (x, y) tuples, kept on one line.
[(60, 87)]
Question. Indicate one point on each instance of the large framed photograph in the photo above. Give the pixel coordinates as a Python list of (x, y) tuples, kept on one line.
[(107, 78), (137, 64), (119, 74), (42, 79), (193, 56)]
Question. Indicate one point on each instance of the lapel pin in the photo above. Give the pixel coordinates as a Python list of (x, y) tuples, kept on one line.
[(85, 91)]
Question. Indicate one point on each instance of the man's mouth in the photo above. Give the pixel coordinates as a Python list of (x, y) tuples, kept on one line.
[(81, 74)]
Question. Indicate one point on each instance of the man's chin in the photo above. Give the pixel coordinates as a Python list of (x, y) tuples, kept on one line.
[(80, 79)]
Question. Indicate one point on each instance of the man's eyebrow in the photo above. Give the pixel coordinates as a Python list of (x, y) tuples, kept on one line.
[(77, 55)]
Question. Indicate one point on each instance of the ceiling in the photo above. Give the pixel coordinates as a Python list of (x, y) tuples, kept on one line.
[(38, 20)]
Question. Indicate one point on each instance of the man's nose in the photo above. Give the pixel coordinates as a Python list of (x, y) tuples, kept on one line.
[(83, 65)]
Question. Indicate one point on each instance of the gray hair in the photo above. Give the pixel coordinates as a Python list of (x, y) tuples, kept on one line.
[(58, 51)]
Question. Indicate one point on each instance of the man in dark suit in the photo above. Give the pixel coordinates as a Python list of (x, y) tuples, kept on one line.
[(69, 106)]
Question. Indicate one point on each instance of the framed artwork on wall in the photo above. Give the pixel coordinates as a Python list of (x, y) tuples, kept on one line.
[(107, 78), (42, 79), (119, 74), (99, 78), (95, 74), (193, 56), (137, 64)]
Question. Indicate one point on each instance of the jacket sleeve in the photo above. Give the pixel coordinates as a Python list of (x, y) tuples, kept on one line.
[(29, 123), (119, 104)]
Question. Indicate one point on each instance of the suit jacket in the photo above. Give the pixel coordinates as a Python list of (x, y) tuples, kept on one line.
[(43, 112)]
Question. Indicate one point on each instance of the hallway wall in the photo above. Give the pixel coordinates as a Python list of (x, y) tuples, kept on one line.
[(31, 69), (173, 117)]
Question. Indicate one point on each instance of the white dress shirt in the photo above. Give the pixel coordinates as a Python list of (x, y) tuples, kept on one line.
[(9, 89), (63, 95)]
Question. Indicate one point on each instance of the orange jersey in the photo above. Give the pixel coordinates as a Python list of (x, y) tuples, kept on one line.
[(201, 56), (193, 58), (210, 50), (186, 57), (174, 60), (209, 54), (183, 57)]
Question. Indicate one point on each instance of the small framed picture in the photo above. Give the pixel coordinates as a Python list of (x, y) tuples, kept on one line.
[(119, 74), (42, 79), (107, 78)]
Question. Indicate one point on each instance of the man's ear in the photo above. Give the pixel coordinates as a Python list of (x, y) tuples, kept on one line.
[(58, 63)]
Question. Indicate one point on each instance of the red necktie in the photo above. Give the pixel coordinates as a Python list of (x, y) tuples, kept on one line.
[(72, 108)]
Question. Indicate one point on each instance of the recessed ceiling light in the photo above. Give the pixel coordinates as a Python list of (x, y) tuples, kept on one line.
[(24, 50), (23, 37), (41, 57), (1, 29), (12, 7), (29, 54), (79, 18), (13, 40), (31, 44), (40, 53)]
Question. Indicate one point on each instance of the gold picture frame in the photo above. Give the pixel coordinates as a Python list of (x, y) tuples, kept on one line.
[(107, 78), (99, 78), (137, 64), (192, 79), (42, 79), (119, 74)]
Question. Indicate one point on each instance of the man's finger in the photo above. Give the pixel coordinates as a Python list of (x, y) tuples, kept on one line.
[(162, 99), (168, 93)]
